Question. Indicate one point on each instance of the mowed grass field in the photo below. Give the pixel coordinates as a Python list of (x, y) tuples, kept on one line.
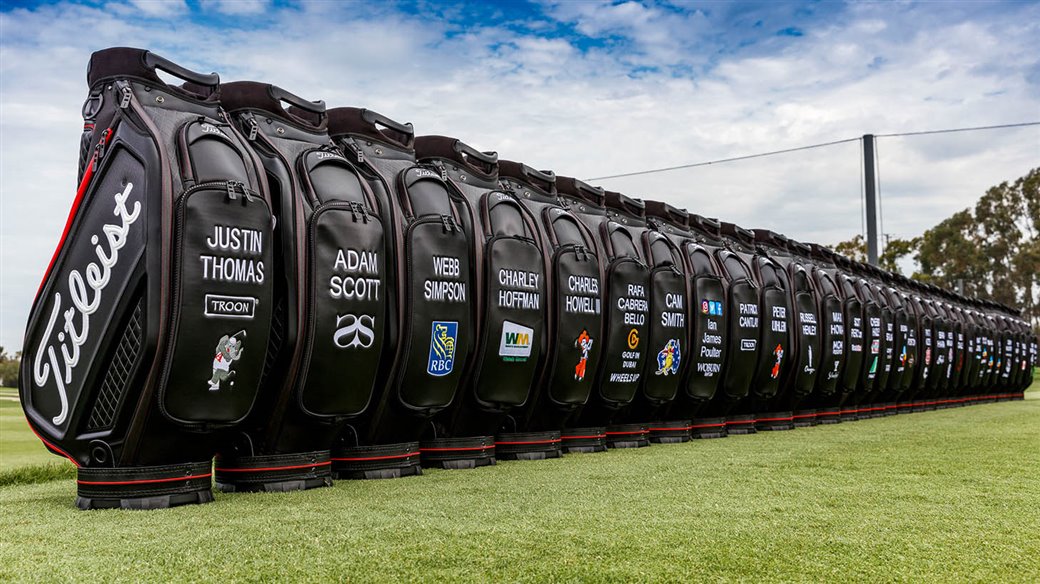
[(951, 495)]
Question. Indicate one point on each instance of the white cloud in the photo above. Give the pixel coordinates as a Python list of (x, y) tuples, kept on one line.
[(237, 7), (582, 112)]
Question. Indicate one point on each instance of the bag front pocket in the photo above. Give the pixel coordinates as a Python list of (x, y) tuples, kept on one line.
[(221, 304)]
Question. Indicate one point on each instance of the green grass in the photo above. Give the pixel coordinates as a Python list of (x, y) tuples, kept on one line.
[(951, 495), (23, 459)]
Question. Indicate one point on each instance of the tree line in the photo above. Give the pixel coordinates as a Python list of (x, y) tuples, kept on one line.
[(992, 248)]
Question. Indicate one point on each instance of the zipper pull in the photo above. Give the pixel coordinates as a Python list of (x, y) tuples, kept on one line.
[(357, 150), (581, 253), (449, 224), (230, 186), (356, 210), (254, 128), (126, 93)]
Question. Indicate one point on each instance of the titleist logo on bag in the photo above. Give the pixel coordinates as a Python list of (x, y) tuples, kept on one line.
[(85, 294)]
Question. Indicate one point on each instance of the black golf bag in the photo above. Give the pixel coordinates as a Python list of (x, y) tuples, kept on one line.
[(775, 345), (828, 411), (669, 331), (741, 347), (330, 279), (870, 403), (509, 269), (574, 324), (149, 333), (703, 353), (627, 305), (831, 333), (796, 386), (430, 331)]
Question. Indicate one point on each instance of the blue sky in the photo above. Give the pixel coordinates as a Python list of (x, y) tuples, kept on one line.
[(585, 88)]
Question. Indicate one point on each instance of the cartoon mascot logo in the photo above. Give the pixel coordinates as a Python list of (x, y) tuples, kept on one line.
[(584, 344), (779, 352), (668, 358), (229, 349)]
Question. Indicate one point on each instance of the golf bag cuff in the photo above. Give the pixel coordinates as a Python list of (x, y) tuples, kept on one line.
[(584, 440), (528, 445), (381, 461), (672, 432), (458, 453), (144, 487), (275, 472)]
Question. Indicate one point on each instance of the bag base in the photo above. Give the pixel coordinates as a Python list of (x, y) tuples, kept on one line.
[(145, 487), (381, 461), (274, 473), (674, 432), (628, 436), (458, 453), (740, 424), (584, 440), (528, 445)]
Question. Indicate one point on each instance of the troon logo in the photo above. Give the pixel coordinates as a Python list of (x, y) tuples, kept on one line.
[(85, 293)]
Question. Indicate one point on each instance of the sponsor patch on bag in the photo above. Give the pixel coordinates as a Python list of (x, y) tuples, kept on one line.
[(515, 345), (442, 348)]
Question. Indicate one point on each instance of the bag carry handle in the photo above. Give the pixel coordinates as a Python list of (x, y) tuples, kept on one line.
[(315, 107), (378, 119), (154, 61), (471, 152)]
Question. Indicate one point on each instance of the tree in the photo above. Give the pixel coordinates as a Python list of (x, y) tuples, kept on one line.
[(950, 252), (9, 368), (895, 250)]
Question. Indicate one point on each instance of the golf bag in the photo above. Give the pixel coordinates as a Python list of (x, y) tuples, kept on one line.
[(668, 329), (704, 353), (627, 282), (431, 330), (574, 325), (800, 378), (509, 270), (149, 333), (774, 356), (742, 306), (330, 276)]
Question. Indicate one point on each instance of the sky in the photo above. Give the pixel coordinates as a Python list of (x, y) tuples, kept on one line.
[(587, 89)]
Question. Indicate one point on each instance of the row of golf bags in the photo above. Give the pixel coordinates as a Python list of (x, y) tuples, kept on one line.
[(309, 293)]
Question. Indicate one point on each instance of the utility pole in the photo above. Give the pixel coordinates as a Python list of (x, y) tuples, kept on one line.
[(870, 192)]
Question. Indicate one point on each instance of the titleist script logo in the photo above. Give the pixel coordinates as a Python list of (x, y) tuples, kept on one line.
[(85, 294)]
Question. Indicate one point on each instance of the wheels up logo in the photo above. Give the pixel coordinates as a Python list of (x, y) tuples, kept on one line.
[(443, 337), (515, 344), (779, 353)]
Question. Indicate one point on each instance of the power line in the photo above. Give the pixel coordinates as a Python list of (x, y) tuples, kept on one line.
[(951, 130), (809, 147), (735, 158)]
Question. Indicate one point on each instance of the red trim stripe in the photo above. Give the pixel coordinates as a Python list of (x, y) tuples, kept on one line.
[(800, 416), (87, 175), (520, 443), (364, 458), (737, 422), (675, 429), (634, 432), (51, 446), (459, 449), (719, 425), (589, 437), (147, 481), (274, 468), (787, 419)]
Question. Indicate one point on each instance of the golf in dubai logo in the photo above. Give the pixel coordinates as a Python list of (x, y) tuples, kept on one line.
[(633, 339), (443, 338), (584, 344), (668, 358), (229, 349)]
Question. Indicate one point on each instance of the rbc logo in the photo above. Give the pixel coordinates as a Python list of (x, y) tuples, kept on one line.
[(442, 348)]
